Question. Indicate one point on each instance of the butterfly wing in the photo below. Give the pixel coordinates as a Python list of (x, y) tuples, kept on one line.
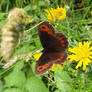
[(43, 64), (50, 41), (54, 48), (47, 59), (62, 41), (58, 57), (46, 27)]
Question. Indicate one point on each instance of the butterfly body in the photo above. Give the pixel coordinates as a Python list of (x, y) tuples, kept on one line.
[(54, 45)]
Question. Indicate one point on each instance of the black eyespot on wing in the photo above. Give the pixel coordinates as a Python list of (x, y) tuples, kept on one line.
[(45, 26)]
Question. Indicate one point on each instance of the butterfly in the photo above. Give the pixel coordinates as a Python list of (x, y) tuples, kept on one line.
[(54, 45)]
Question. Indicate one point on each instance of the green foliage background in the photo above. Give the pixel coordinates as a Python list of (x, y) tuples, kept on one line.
[(77, 26)]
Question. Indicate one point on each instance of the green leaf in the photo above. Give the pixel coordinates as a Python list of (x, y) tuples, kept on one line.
[(33, 66), (16, 77), (34, 84), (34, 7), (13, 90), (41, 3), (37, 43), (1, 86), (28, 7), (63, 81), (23, 50), (19, 66)]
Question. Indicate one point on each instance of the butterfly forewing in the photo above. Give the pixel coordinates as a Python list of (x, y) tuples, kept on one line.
[(45, 32), (62, 41), (51, 41), (46, 27)]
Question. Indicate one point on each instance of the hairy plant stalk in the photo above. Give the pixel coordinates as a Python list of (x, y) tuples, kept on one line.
[(12, 32)]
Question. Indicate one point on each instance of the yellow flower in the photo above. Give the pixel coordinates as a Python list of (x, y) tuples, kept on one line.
[(50, 14), (81, 54), (60, 13), (54, 67), (28, 20), (37, 56)]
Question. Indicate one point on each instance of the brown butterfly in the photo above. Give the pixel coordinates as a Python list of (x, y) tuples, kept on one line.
[(54, 45)]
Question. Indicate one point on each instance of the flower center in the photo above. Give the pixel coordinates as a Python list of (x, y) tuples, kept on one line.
[(59, 13), (84, 53)]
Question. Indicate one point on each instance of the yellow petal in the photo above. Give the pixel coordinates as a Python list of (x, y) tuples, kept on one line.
[(37, 56), (87, 60), (57, 7), (28, 19), (51, 16), (80, 44), (73, 57), (90, 57), (46, 11), (90, 48), (53, 67), (90, 53), (60, 67), (79, 64), (60, 13), (73, 50), (84, 66)]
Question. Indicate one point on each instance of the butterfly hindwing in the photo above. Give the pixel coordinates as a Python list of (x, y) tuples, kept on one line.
[(43, 64), (58, 57), (47, 59)]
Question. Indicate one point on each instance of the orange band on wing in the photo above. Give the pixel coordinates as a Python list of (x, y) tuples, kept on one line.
[(46, 29), (45, 66), (59, 59)]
